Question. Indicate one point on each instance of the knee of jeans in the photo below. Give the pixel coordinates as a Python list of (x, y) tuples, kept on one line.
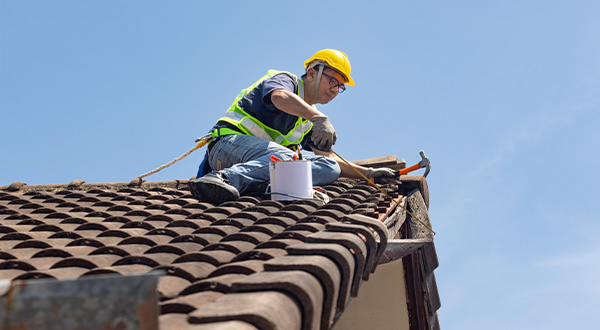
[(280, 152), (283, 155), (328, 170)]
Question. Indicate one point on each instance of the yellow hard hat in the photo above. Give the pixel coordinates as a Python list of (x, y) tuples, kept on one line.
[(335, 59)]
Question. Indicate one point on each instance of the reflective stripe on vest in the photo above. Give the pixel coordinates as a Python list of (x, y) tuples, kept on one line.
[(252, 126)]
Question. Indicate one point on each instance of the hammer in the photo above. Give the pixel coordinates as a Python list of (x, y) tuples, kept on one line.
[(423, 163)]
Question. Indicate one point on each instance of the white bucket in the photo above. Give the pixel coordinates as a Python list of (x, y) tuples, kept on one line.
[(293, 177)]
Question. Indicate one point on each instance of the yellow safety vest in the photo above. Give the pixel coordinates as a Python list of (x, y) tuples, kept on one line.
[(239, 118)]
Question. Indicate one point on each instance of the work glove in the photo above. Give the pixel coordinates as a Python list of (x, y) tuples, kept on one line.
[(381, 175), (323, 135)]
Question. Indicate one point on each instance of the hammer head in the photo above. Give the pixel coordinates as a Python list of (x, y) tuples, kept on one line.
[(424, 163)]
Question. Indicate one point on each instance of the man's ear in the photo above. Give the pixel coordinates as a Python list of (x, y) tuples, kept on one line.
[(310, 74)]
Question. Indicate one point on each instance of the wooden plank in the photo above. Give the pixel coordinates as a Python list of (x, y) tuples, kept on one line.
[(431, 259), (399, 165), (411, 182), (395, 221), (432, 290), (400, 248), (434, 323), (423, 297), (414, 294), (417, 207), (377, 162)]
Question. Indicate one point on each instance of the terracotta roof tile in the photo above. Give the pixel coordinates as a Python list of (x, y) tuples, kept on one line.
[(278, 243), (379, 229), (169, 286), (58, 273), (212, 217), (253, 263), (294, 215), (39, 263), (276, 220), (188, 223), (82, 263), (233, 246), (81, 250), (250, 215), (215, 257), (226, 210), (174, 271), (209, 238), (189, 303), (353, 243), (260, 254), (175, 248), (197, 270), (95, 241), (23, 253), (334, 214), (121, 269), (221, 283), (321, 268), (269, 229), (323, 219), (173, 321), (221, 230), (368, 238), (122, 250), (255, 308), (31, 243), (252, 237), (11, 274), (312, 227), (245, 267), (145, 240), (343, 259), (300, 285)]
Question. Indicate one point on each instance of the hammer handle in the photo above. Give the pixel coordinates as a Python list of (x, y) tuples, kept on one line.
[(410, 169)]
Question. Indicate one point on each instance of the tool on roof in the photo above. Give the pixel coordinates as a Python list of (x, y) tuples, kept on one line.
[(423, 163), (298, 150), (388, 196)]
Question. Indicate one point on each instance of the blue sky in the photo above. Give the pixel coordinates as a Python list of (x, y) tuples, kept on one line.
[(503, 96)]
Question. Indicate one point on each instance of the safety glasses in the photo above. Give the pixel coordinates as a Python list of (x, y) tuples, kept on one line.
[(333, 82)]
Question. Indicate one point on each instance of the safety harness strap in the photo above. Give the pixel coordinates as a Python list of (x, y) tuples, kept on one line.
[(217, 132)]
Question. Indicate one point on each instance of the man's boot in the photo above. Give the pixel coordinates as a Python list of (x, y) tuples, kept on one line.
[(213, 188)]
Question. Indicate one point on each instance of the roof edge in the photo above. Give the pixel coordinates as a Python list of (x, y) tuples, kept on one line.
[(82, 185)]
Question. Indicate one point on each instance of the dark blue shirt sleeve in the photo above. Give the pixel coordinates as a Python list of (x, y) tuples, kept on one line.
[(279, 81)]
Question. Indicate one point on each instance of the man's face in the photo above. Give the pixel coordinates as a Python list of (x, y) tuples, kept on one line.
[(329, 86)]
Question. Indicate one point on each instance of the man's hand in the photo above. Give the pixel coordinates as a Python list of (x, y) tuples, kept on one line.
[(381, 175), (323, 134)]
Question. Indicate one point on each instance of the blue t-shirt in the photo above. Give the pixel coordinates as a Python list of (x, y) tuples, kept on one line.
[(257, 103)]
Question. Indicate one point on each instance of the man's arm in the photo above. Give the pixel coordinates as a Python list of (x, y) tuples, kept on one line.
[(347, 171), (383, 173), (323, 132), (291, 103)]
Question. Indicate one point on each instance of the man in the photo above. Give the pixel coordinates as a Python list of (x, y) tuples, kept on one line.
[(271, 118)]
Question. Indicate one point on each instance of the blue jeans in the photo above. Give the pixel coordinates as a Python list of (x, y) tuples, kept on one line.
[(244, 160)]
